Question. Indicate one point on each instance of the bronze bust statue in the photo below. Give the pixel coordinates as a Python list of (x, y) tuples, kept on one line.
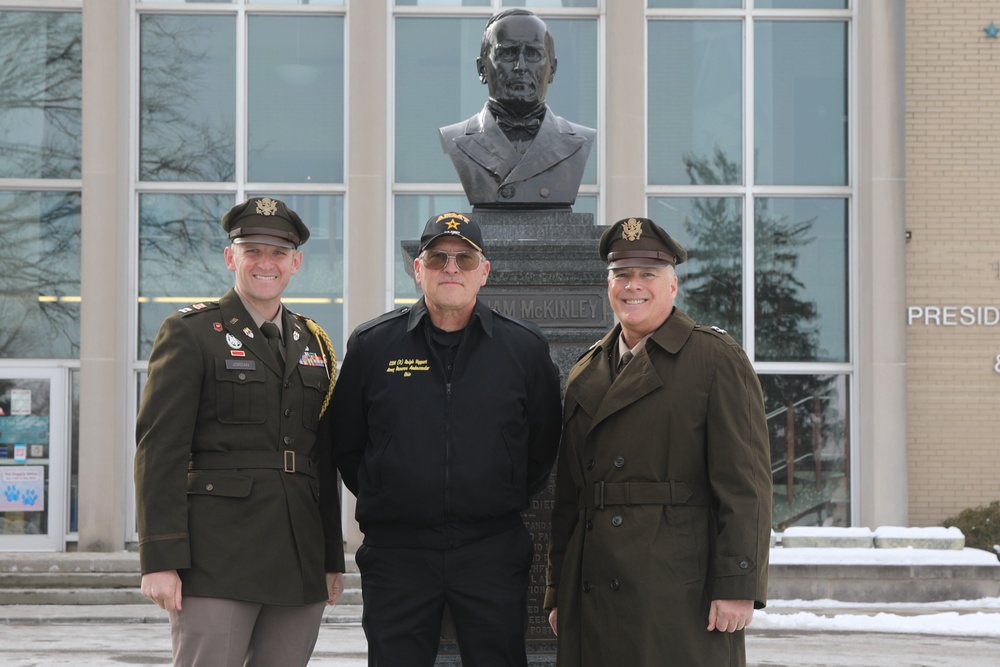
[(516, 152)]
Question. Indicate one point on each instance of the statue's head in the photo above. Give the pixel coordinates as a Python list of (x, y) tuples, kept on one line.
[(517, 60)]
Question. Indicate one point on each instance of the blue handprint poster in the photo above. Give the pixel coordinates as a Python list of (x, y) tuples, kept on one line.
[(22, 489)]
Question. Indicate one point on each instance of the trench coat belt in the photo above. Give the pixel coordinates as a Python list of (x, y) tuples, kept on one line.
[(644, 493), (287, 461)]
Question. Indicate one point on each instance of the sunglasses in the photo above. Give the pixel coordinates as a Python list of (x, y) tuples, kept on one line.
[(438, 259)]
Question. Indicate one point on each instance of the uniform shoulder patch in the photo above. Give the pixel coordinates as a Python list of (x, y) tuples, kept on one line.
[(199, 307)]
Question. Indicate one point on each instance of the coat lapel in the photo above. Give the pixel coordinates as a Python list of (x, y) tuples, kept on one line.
[(554, 142), (296, 340), (487, 145), (640, 378)]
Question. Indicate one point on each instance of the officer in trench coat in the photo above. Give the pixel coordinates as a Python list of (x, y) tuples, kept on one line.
[(661, 523)]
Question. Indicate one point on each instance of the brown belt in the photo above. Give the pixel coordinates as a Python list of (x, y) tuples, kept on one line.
[(287, 461), (644, 493)]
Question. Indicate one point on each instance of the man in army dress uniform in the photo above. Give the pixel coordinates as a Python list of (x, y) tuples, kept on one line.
[(228, 464), (661, 523)]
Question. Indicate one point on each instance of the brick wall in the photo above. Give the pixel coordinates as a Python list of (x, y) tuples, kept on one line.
[(953, 259)]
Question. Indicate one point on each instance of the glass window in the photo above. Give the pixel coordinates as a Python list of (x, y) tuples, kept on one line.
[(40, 281), (800, 4), (800, 102), (807, 421), (181, 260), (295, 2), (74, 452), (40, 106), (26, 456), (695, 102), (187, 93), (443, 3), (801, 260), (710, 282), (544, 4), (437, 85), (180, 256), (295, 112), (695, 4)]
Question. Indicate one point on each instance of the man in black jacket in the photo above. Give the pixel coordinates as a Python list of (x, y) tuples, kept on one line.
[(448, 421)]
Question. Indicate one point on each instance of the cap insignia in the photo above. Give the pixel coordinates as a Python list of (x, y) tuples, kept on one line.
[(451, 224), (454, 217), (267, 206), (632, 230)]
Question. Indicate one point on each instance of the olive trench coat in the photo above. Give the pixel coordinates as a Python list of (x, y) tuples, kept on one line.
[(663, 501), (220, 432)]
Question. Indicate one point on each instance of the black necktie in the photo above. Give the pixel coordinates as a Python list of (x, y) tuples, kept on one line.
[(508, 120), (627, 357), (270, 331)]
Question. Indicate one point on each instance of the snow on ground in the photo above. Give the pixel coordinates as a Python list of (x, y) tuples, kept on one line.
[(894, 556), (913, 619), (966, 618)]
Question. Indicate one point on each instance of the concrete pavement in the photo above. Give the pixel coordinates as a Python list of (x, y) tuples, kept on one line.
[(116, 635)]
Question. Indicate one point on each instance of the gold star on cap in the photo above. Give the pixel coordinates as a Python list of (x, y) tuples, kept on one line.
[(267, 206), (632, 230)]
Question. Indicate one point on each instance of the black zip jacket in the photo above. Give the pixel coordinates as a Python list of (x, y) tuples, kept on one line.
[(437, 464)]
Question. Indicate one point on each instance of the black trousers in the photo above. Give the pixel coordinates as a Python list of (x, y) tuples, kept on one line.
[(484, 584)]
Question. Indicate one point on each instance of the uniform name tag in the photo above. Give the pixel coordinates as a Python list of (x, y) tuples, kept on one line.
[(241, 364)]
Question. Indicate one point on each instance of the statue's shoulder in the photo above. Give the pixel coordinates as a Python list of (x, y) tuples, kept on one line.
[(470, 125)]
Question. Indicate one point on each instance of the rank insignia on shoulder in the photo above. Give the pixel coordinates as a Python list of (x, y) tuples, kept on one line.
[(185, 309), (719, 330), (199, 306)]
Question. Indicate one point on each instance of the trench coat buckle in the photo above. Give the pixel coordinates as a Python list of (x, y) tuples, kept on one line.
[(599, 494), (289, 461)]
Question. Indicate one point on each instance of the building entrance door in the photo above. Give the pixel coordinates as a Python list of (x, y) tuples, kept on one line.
[(33, 436)]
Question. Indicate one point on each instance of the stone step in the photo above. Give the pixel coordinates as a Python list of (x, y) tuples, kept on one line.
[(849, 575), (74, 578), (98, 596)]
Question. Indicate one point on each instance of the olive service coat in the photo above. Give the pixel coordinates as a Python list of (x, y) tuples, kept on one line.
[(679, 445), (237, 525), (493, 172)]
